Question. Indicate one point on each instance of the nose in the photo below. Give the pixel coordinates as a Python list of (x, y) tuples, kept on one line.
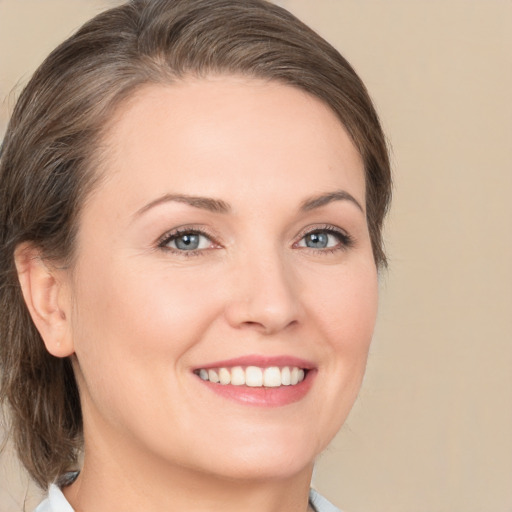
[(264, 295)]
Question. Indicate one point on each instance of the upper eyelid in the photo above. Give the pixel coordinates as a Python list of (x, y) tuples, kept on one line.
[(322, 227)]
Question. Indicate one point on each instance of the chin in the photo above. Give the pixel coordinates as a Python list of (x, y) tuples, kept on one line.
[(265, 469), (271, 458)]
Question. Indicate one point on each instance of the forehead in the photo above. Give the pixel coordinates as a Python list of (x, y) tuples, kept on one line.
[(239, 131)]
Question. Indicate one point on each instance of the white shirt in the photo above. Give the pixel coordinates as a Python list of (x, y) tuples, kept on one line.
[(56, 502)]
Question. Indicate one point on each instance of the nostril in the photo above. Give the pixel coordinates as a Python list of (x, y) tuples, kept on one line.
[(266, 327), (252, 324)]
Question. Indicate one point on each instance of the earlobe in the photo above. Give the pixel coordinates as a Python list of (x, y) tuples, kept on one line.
[(47, 300)]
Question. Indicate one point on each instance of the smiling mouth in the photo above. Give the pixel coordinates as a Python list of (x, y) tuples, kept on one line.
[(254, 376)]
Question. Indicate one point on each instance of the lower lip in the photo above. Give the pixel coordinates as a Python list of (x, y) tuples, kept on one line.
[(262, 396)]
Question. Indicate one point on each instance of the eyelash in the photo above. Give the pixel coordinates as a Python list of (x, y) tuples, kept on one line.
[(345, 240)]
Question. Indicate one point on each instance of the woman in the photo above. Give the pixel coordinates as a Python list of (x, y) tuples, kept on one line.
[(192, 198)]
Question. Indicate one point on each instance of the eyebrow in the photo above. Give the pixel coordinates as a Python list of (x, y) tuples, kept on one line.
[(203, 203), (323, 199), (219, 206)]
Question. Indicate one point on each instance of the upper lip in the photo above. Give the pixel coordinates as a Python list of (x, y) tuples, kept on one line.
[(260, 361)]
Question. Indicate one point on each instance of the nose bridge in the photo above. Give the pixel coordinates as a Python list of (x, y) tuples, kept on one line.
[(264, 291)]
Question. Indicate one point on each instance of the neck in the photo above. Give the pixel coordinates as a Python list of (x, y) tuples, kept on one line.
[(122, 479)]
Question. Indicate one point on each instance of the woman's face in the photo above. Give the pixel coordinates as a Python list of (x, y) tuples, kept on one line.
[(228, 240)]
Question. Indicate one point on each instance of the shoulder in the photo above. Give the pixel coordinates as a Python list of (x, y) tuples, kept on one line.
[(320, 504), (55, 502)]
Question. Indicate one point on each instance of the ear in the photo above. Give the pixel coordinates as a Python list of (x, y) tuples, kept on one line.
[(46, 293)]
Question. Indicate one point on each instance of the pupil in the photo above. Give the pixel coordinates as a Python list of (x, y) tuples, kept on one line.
[(189, 242), (317, 240)]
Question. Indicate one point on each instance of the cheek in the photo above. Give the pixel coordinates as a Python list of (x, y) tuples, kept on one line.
[(138, 323), (346, 316), (347, 309), (143, 307)]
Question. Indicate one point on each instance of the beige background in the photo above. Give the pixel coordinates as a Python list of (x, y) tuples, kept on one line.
[(432, 429)]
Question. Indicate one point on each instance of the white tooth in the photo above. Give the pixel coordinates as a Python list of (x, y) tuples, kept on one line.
[(272, 377), (213, 376), (224, 376), (203, 374), (285, 376), (237, 376), (294, 377), (253, 377), (301, 375)]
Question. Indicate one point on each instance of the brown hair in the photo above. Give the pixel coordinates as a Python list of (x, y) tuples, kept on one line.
[(52, 147)]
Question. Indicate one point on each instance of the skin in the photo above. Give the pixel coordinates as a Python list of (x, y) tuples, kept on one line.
[(139, 318)]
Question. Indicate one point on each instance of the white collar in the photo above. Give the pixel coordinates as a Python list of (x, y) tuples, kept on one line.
[(56, 502)]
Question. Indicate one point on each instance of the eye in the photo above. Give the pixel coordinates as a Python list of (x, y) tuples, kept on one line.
[(186, 241), (326, 238), (319, 240)]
